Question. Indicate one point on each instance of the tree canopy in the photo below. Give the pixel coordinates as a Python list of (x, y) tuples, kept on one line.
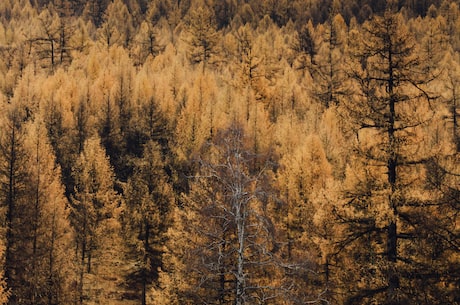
[(229, 152)]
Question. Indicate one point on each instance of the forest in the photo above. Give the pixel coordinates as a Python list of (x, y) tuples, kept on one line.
[(229, 152)]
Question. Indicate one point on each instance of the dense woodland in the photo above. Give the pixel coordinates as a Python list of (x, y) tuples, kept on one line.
[(229, 152)]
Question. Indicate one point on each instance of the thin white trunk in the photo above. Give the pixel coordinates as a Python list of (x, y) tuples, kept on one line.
[(240, 280)]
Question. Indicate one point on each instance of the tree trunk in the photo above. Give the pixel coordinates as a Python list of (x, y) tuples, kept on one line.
[(9, 256), (146, 268), (241, 234), (240, 281), (392, 233)]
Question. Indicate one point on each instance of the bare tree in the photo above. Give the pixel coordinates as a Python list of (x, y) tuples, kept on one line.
[(228, 239)]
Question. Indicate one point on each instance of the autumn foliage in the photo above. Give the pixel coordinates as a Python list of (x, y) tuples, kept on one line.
[(229, 152)]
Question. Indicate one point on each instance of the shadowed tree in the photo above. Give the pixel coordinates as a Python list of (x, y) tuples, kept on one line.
[(95, 211), (202, 37), (328, 74), (4, 293), (149, 198), (13, 191), (391, 108), (117, 26), (306, 46), (222, 247)]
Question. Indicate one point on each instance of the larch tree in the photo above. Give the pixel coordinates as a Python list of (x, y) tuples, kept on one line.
[(196, 121), (202, 37), (94, 11), (251, 83), (247, 58), (117, 27), (60, 97), (147, 42), (452, 96), (4, 292), (334, 138), (277, 10), (46, 42), (149, 199), (95, 213), (121, 91), (433, 45), (149, 121), (224, 12), (51, 263), (391, 107), (110, 92), (328, 74), (451, 12), (306, 47), (66, 31), (148, 36), (13, 192), (38, 259), (303, 174)]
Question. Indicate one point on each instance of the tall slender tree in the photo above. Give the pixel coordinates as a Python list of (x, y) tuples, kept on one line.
[(13, 177), (202, 36), (329, 76), (149, 198), (95, 217), (391, 108), (51, 263)]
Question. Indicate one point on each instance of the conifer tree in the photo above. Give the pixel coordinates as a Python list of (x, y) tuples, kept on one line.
[(149, 198), (4, 293), (196, 121), (247, 58), (117, 27), (391, 106), (47, 41), (147, 43), (329, 73), (94, 11), (51, 263), (304, 173), (13, 177), (95, 217), (306, 46), (452, 75), (202, 37)]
